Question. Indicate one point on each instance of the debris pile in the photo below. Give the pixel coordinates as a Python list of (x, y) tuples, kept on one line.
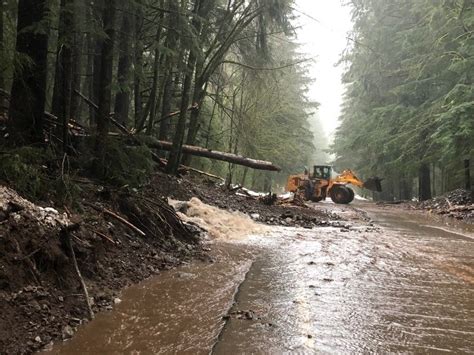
[(58, 268), (457, 204)]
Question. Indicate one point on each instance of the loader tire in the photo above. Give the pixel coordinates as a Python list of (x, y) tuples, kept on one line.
[(317, 198), (340, 195), (351, 194)]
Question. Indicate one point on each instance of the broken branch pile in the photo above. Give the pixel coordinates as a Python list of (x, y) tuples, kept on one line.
[(58, 269), (457, 204)]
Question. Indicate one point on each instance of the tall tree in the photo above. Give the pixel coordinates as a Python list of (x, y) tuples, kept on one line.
[(122, 98), (28, 92), (105, 83), (62, 93)]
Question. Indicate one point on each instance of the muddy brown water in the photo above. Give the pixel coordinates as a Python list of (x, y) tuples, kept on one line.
[(403, 283)]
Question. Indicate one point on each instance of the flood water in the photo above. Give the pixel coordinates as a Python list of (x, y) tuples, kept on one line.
[(400, 284)]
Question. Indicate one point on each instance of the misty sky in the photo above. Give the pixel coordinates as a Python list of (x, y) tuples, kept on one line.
[(325, 39)]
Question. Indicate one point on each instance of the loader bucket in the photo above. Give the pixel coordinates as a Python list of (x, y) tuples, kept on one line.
[(374, 184)]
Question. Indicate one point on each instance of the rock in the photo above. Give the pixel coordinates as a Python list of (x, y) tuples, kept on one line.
[(67, 332), (255, 216), (288, 220), (117, 300), (38, 339)]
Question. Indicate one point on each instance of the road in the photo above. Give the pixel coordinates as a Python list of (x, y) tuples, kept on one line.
[(386, 280)]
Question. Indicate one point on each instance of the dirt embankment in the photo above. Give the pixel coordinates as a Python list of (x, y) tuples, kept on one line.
[(118, 238), (208, 192), (457, 204), (41, 298)]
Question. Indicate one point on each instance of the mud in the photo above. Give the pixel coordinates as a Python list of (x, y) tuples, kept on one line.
[(41, 299), (209, 192), (391, 282), (457, 204)]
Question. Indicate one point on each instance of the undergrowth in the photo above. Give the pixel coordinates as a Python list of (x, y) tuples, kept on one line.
[(48, 175)]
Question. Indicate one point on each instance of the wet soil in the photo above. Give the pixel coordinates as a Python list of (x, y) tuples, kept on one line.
[(391, 281), (457, 204), (210, 192), (41, 299)]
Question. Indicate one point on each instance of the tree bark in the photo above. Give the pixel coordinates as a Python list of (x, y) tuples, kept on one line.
[(3, 101), (467, 174), (105, 83), (77, 55), (97, 59), (28, 92), (138, 65), (176, 151), (64, 66), (151, 104), (424, 182), (122, 98), (214, 154), (170, 61), (2, 52)]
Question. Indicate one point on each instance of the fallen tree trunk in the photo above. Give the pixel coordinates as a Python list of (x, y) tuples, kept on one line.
[(214, 154), (193, 150)]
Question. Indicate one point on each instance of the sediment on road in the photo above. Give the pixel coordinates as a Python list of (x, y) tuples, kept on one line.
[(50, 254), (458, 204)]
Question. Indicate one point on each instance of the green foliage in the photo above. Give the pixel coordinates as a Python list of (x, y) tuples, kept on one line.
[(25, 170), (127, 165), (409, 98)]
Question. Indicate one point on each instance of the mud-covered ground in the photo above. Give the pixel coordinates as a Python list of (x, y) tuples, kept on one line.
[(209, 192), (393, 281), (41, 299), (457, 204)]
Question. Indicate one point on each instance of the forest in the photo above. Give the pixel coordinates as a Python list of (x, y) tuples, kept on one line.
[(172, 179), (408, 112), (90, 87)]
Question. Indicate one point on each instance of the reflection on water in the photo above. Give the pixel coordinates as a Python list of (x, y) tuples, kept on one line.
[(404, 287)]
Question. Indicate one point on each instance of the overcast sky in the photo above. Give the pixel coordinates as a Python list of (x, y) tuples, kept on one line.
[(324, 37)]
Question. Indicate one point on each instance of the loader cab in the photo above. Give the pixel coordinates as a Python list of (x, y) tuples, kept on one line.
[(322, 172)]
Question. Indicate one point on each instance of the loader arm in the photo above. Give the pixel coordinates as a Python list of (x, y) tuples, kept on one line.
[(348, 177)]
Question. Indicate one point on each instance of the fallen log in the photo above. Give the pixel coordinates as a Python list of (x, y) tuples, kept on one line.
[(214, 154), (190, 149), (117, 217)]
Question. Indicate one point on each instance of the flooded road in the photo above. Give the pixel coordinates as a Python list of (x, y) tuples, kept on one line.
[(385, 281)]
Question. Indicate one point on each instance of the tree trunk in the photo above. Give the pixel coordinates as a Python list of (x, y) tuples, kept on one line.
[(63, 80), (424, 183), (3, 101), (200, 84), (77, 56), (90, 67), (138, 65), (2, 53), (122, 98), (467, 174), (214, 154), (170, 61), (175, 153), (97, 60), (151, 104), (28, 92), (198, 98), (105, 83)]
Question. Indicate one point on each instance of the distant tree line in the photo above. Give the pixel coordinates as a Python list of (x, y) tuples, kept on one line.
[(408, 113), (223, 74)]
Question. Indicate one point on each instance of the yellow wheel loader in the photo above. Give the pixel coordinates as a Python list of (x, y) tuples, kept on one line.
[(319, 184)]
